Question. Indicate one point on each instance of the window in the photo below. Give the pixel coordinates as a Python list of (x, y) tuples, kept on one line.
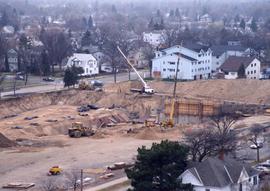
[(172, 63), (255, 180), (254, 71), (207, 189), (164, 69), (248, 72), (254, 64), (86, 70), (251, 65), (251, 72)]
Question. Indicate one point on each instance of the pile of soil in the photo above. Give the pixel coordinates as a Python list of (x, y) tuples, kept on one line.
[(148, 134), (5, 142), (240, 90)]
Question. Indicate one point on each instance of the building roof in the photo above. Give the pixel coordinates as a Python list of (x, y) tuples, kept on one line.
[(196, 47), (219, 173), (233, 63), (220, 49), (80, 56), (185, 56)]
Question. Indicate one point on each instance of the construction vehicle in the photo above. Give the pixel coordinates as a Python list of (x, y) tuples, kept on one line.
[(146, 88), (84, 85), (78, 130), (170, 122), (55, 170)]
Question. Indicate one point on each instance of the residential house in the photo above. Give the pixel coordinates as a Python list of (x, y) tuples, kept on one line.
[(154, 38), (137, 59), (12, 57), (86, 61), (195, 62), (232, 65), (222, 52), (214, 174)]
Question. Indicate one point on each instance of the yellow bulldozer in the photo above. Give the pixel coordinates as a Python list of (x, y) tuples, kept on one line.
[(84, 85), (77, 130), (55, 170)]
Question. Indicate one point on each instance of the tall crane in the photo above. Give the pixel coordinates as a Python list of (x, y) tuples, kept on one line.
[(146, 87), (170, 121)]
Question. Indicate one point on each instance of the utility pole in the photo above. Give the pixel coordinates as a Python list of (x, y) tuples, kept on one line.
[(81, 179), (175, 79)]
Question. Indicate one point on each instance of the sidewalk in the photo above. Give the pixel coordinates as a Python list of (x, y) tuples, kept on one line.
[(115, 185)]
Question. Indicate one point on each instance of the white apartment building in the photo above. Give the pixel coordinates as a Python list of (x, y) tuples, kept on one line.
[(195, 63)]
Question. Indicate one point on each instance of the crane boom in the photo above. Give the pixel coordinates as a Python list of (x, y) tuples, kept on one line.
[(144, 83)]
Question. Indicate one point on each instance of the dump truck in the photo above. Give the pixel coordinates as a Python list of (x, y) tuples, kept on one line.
[(78, 130)]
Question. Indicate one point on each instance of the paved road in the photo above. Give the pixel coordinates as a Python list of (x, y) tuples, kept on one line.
[(58, 84)]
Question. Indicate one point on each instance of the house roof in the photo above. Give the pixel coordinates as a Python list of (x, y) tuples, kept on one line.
[(233, 63), (83, 56), (220, 49), (219, 173)]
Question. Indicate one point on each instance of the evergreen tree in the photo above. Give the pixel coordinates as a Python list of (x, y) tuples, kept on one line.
[(69, 78), (237, 18), (171, 13), (241, 71), (151, 23), (158, 13), (6, 63), (45, 64), (114, 10), (243, 24), (158, 168), (4, 19), (161, 26), (86, 39), (177, 12), (90, 22), (254, 26)]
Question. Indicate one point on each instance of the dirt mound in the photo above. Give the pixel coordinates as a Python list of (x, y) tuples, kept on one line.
[(147, 134), (5, 142), (242, 90)]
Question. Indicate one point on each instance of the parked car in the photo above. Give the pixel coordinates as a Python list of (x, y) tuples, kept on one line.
[(48, 79), (20, 76), (97, 83), (254, 146)]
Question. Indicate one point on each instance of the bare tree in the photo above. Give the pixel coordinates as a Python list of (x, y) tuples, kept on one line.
[(257, 138), (216, 139), (201, 143), (73, 179), (149, 54), (111, 36), (49, 185), (57, 46)]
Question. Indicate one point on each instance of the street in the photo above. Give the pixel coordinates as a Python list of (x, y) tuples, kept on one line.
[(58, 83)]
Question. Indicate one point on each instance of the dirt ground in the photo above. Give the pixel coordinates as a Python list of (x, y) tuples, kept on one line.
[(43, 141)]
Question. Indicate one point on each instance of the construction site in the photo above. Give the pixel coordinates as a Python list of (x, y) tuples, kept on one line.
[(35, 129)]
